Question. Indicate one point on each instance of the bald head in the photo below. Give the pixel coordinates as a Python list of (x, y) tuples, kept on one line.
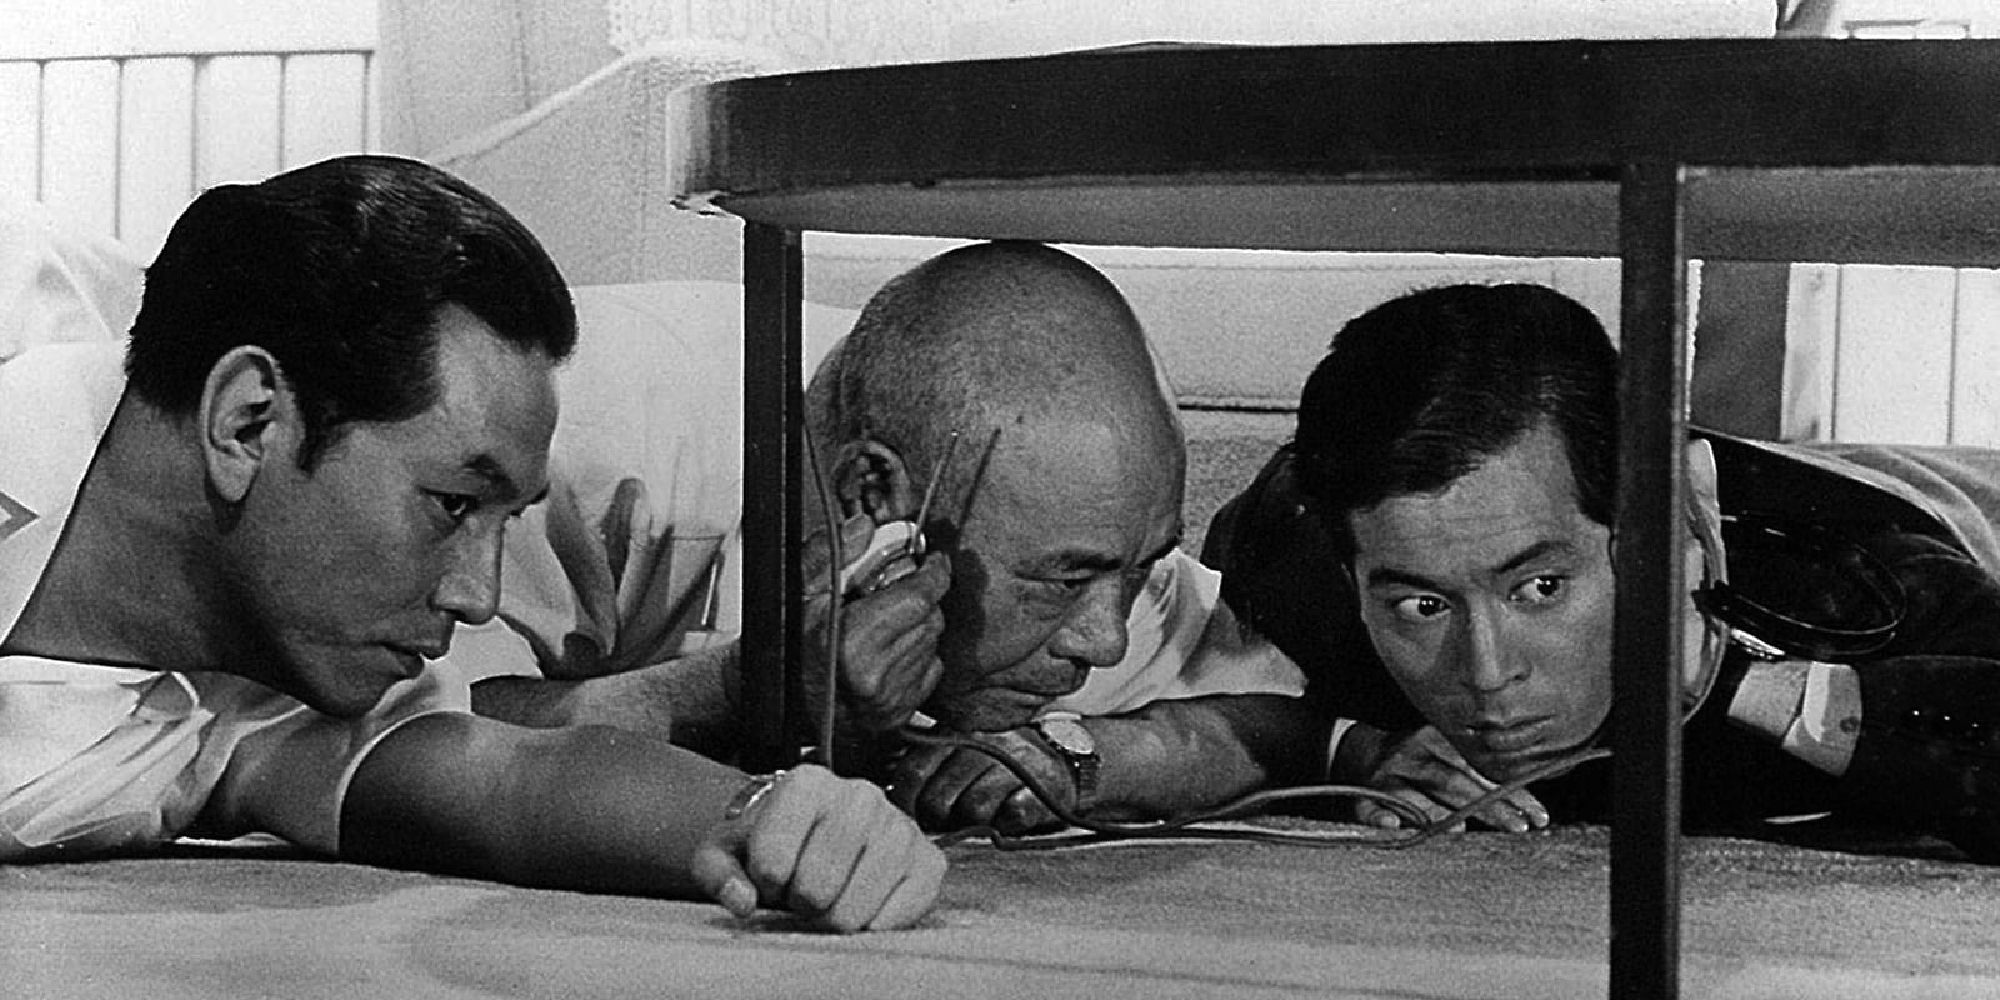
[(992, 336), (1066, 488)]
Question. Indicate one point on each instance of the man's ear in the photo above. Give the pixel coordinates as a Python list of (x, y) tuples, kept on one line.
[(869, 477), (246, 408)]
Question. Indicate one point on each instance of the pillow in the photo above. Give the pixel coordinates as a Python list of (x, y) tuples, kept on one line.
[(58, 285), (655, 387), (633, 559)]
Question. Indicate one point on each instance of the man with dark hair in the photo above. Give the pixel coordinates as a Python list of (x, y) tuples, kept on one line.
[(1074, 635), (221, 587), (1434, 547), (338, 270)]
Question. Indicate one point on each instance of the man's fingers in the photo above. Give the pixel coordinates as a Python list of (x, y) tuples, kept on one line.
[(916, 893), (985, 799), (833, 850), (829, 855), (911, 773), (889, 662), (1531, 810), (1375, 814), (1425, 770), (937, 804), (779, 824), (817, 553), (716, 873), (866, 884), (1455, 788), (1022, 811), (893, 853), (1516, 813), (1433, 810), (1378, 815)]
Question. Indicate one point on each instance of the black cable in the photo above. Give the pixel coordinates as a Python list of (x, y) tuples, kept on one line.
[(836, 561), (1101, 831)]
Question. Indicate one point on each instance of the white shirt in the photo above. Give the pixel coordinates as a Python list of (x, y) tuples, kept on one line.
[(1183, 642), (96, 758)]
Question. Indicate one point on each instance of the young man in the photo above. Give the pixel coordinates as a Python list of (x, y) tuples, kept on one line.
[(224, 573), (1434, 546), (1054, 616)]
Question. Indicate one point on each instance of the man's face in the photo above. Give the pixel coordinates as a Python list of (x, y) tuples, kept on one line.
[(359, 569), (1491, 604), (1066, 522)]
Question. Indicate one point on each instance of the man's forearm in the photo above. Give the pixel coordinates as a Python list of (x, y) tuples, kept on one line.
[(1174, 757), (692, 699), (580, 807)]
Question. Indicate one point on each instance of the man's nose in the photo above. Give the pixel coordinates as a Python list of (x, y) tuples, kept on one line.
[(1492, 660), (470, 589), (1094, 632)]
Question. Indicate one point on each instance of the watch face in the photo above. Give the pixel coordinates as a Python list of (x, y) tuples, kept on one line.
[(1070, 735)]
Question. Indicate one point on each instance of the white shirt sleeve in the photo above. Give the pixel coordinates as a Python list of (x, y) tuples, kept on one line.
[(299, 763), (95, 759)]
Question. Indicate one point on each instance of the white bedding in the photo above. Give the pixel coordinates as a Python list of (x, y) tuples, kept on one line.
[(654, 389)]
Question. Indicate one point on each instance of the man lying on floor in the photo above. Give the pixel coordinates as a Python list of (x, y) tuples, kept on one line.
[(1434, 548), (227, 563), (1053, 617)]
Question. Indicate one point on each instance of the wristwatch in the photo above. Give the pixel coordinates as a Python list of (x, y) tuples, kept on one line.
[(1073, 743)]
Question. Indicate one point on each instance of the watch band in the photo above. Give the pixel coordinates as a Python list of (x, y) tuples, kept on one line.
[(1073, 743)]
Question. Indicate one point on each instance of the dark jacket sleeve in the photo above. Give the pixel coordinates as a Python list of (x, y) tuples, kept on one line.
[(1929, 745)]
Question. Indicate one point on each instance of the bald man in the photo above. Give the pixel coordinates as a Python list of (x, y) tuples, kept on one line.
[(1054, 615)]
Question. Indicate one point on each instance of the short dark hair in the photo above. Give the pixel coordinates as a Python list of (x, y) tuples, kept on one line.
[(1421, 390), (339, 269)]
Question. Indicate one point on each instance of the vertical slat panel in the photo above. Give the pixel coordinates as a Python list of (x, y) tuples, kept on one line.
[(1812, 315), (371, 85), (1975, 371), (156, 157), (80, 142), (236, 120), (324, 107), (1894, 378), (20, 128)]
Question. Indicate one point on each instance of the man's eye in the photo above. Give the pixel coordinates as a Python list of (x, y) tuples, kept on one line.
[(1060, 589), (1420, 607), (456, 506), (1540, 590)]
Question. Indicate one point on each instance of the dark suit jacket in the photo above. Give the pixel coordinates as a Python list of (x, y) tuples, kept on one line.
[(1923, 517)]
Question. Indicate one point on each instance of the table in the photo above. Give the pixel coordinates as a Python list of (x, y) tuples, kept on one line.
[(1794, 149)]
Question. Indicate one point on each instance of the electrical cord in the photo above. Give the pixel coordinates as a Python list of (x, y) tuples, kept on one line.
[(1179, 827), (1183, 827), (1705, 527), (836, 559)]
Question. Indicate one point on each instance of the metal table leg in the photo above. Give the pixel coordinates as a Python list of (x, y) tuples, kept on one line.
[(772, 399), (1646, 648)]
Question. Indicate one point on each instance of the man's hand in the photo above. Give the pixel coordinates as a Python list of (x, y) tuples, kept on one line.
[(1423, 769), (888, 642), (947, 787), (830, 849)]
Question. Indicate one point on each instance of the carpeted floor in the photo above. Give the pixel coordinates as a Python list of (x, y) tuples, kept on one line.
[(1479, 915)]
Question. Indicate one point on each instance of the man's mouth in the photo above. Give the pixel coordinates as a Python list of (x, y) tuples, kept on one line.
[(1510, 735), (1049, 694), (411, 657)]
